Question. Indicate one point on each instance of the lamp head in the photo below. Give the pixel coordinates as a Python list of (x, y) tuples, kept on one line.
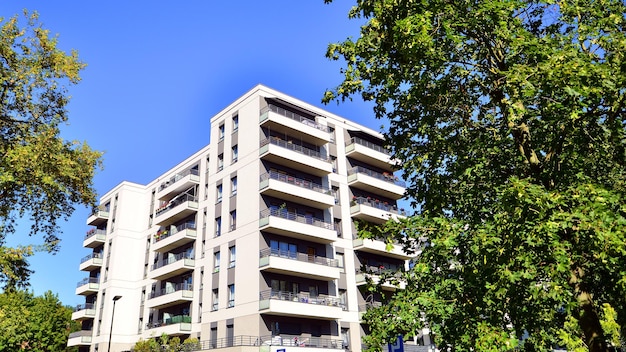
[(116, 298)]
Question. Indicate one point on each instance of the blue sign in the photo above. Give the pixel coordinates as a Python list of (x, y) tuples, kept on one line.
[(397, 346), (281, 350)]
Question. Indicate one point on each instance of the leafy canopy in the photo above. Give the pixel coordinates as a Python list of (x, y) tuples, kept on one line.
[(42, 176), (509, 119)]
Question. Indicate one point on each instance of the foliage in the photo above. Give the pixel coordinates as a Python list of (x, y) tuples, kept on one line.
[(509, 119), (42, 176), (164, 343), (39, 323)]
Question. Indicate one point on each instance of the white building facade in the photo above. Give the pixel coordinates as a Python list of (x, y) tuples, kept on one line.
[(249, 243)]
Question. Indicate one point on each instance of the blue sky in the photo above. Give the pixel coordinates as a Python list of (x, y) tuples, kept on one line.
[(157, 72)]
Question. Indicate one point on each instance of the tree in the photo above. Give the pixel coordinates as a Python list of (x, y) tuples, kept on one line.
[(37, 324), (165, 343), (42, 176), (509, 120)]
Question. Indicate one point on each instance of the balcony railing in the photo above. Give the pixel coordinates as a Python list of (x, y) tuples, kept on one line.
[(387, 177), (364, 307), (301, 257), (272, 340), (368, 144), (381, 269), (88, 280), (171, 289), (176, 201), (273, 175), (296, 117), (163, 234), (84, 306), (302, 297), (295, 147), (91, 256), (94, 232), (304, 219), (173, 320), (177, 177), (378, 204), (81, 333), (171, 260)]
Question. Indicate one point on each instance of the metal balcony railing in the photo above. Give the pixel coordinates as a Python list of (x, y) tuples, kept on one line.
[(175, 202), (88, 280), (91, 256), (171, 260), (94, 232), (84, 306), (295, 147), (368, 144), (294, 116), (273, 175), (167, 290), (304, 219), (301, 257), (81, 333), (387, 177), (378, 204), (302, 297), (163, 234), (169, 321), (177, 177)]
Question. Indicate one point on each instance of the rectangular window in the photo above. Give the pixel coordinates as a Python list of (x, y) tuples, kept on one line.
[(216, 262), (221, 132), (233, 256), (233, 186), (235, 123), (231, 295), (235, 153), (220, 162), (218, 226), (215, 298), (219, 193), (233, 220)]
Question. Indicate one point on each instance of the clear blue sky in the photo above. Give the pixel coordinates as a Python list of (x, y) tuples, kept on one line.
[(158, 72)]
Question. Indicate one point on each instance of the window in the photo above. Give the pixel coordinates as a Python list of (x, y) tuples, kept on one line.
[(233, 256), (233, 186), (220, 162), (231, 295), (216, 298), (218, 226), (284, 249), (235, 153), (221, 131), (219, 193), (233, 220), (216, 263), (235, 123)]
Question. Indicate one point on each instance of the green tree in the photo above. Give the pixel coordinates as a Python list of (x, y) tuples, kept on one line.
[(509, 120), (167, 344), (42, 176), (39, 323)]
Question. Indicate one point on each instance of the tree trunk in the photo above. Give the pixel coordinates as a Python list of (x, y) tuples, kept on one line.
[(589, 322)]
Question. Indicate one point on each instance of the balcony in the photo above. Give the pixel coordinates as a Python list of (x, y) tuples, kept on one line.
[(176, 209), (384, 184), (281, 120), (374, 274), (298, 264), (80, 338), (87, 286), (166, 240), (91, 262), (174, 326), (374, 210), (178, 183), (300, 305), (364, 307), (287, 223), (99, 217), (94, 238), (379, 248), (295, 156), (369, 153), (172, 295), (173, 265), (84, 311), (295, 189)]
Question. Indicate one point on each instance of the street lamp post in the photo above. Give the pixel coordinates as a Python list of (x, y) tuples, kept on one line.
[(115, 299)]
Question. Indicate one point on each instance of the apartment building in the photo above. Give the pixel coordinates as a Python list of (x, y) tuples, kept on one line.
[(248, 244)]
